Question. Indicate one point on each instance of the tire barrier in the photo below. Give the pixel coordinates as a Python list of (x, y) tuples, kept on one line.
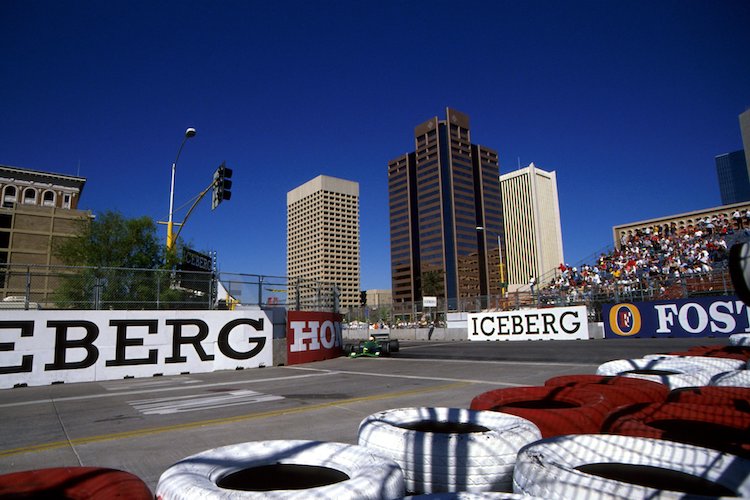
[(623, 467), (728, 351), (674, 373), (616, 390), (735, 397), (711, 364), (718, 427), (449, 449), (740, 339), (283, 469), (80, 483), (734, 378), (554, 410)]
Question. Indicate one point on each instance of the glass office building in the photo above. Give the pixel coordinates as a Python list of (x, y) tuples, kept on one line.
[(445, 215)]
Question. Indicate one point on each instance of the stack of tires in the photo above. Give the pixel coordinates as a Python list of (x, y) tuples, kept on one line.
[(665, 424)]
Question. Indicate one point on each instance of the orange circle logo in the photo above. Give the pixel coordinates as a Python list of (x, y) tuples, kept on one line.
[(625, 320)]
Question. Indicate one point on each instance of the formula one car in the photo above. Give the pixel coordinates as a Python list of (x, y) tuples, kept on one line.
[(378, 345)]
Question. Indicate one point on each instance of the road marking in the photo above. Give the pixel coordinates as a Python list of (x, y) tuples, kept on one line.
[(182, 404), (412, 377), (162, 389), (221, 421), (130, 384)]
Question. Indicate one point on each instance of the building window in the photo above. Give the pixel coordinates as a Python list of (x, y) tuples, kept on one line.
[(48, 199), (9, 196), (29, 196), (66, 201)]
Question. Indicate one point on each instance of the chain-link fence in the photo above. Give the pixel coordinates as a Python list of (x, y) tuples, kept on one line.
[(645, 288), (97, 288)]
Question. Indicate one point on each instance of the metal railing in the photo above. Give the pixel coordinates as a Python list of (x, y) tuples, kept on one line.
[(98, 288), (646, 288)]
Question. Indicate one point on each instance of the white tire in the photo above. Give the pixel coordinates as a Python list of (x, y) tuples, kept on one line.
[(674, 373), (739, 339), (732, 378), (449, 449), (339, 471), (708, 363), (613, 467)]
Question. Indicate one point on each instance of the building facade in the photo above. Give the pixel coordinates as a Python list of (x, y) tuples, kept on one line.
[(533, 233), (445, 215), (323, 237), (39, 210)]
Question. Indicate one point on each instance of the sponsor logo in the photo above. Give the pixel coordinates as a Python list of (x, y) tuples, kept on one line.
[(625, 320), (314, 335)]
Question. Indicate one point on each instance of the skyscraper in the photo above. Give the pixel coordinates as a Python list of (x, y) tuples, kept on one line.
[(323, 236), (733, 169), (734, 183), (445, 214), (533, 234)]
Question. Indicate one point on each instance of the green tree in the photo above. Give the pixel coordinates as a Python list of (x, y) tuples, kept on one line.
[(432, 283), (120, 263)]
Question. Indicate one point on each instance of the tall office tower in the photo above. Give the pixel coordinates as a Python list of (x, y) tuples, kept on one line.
[(533, 236), (323, 237), (734, 183), (745, 131), (445, 215)]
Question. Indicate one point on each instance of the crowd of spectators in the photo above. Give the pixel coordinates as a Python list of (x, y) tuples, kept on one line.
[(652, 259)]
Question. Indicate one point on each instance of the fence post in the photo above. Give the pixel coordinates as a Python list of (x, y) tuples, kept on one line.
[(27, 294), (297, 297), (158, 290)]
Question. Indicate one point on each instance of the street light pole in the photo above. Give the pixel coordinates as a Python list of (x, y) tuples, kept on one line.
[(190, 132)]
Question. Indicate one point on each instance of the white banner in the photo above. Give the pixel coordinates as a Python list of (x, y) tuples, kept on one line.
[(556, 323), (44, 347)]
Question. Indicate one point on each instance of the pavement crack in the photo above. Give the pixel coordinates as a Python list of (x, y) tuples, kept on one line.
[(65, 431)]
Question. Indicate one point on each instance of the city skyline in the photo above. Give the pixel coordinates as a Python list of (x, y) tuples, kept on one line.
[(628, 103)]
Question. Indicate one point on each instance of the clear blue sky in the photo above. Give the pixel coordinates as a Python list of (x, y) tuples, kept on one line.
[(627, 101)]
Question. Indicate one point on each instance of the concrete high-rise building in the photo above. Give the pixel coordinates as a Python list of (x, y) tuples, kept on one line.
[(445, 215), (734, 181), (323, 237), (533, 235)]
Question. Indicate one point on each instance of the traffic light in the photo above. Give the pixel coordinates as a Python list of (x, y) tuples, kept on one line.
[(222, 185)]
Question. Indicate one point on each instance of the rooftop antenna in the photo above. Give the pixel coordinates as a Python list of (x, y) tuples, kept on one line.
[(519, 163)]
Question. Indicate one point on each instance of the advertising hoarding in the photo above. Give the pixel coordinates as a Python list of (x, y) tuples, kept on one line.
[(718, 316), (313, 336), (45, 347), (554, 323)]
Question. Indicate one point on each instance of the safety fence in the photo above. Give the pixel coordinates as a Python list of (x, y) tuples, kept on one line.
[(645, 288), (101, 288)]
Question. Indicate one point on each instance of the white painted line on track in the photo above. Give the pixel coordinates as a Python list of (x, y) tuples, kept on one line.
[(412, 377), (163, 389), (130, 384), (182, 404)]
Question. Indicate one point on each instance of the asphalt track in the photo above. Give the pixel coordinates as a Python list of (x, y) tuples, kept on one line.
[(145, 425)]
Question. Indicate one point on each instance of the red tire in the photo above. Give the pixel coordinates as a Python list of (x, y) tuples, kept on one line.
[(735, 397), (81, 483), (555, 410), (618, 391), (727, 351), (717, 427)]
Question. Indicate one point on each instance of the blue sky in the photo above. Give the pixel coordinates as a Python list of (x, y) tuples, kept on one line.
[(627, 101)]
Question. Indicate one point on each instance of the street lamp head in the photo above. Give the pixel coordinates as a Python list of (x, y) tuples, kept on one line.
[(190, 133)]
